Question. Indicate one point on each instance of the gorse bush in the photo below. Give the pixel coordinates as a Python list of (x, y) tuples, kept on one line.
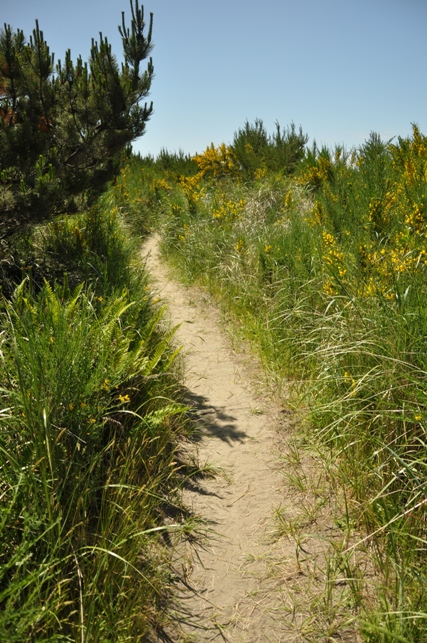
[(325, 270), (253, 153)]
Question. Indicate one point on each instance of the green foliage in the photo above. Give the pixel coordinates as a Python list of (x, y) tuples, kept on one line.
[(178, 164), (86, 442), (250, 145), (63, 128), (256, 151), (90, 420)]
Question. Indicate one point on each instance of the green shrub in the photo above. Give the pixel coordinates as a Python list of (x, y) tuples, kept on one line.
[(256, 151), (63, 129)]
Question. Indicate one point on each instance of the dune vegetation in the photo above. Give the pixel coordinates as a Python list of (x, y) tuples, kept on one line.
[(319, 258), (91, 422)]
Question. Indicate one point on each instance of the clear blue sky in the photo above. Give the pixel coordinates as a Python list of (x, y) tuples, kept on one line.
[(338, 68)]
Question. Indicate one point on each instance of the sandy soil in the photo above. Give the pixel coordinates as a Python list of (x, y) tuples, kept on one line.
[(230, 593)]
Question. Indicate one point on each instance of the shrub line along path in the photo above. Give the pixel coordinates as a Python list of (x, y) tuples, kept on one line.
[(228, 593)]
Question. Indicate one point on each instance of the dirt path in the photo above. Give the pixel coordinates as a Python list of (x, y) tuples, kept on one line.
[(241, 584), (229, 598)]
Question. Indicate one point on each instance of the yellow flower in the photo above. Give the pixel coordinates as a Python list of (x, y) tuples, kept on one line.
[(124, 398), (328, 239), (328, 288), (267, 249), (260, 173), (240, 246)]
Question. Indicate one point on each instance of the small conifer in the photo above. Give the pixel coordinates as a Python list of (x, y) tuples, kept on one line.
[(64, 127)]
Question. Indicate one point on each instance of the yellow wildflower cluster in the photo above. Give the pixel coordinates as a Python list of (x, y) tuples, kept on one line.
[(317, 174), (372, 232), (328, 239), (227, 209), (190, 183), (371, 288), (415, 220), (384, 267), (160, 184), (192, 188), (184, 234), (334, 259), (216, 161), (333, 256), (333, 264), (329, 288), (240, 247), (413, 156), (393, 261), (315, 217), (381, 211), (260, 173), (176, 208)]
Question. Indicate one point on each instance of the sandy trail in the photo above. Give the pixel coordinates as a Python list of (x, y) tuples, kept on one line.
[(227, 591)]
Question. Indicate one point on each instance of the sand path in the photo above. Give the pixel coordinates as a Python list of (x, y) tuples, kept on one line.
[(227, 592)]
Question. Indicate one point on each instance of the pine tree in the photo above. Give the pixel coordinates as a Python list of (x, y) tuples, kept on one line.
[(64, 127)]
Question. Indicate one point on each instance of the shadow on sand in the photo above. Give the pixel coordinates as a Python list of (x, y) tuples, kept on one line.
[(212, 421)]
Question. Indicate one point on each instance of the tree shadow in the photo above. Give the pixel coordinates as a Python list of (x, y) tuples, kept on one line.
[(212, 421)]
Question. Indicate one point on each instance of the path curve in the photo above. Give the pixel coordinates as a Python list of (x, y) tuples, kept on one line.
[(227, 591)]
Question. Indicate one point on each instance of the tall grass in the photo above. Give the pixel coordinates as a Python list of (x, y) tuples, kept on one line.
[(89, 428), (326, 272)]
